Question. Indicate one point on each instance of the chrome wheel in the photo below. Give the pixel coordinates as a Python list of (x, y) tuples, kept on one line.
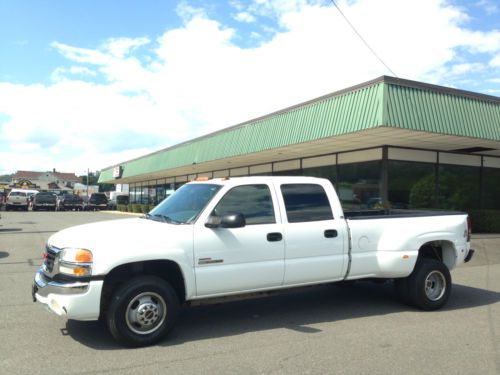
[(146, 313), (435, 285)]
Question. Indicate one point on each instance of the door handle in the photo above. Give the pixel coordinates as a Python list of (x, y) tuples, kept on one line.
[(331, 233), (274, 237)]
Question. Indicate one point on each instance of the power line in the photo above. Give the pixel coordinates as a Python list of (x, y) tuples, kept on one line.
[(363, 40)]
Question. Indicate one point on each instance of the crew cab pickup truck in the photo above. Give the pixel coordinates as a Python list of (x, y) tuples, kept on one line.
[(236, 237)]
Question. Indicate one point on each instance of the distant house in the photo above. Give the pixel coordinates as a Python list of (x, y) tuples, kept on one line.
[(51, 180)]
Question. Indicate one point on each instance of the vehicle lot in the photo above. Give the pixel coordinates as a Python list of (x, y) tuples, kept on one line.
[(322, 330)]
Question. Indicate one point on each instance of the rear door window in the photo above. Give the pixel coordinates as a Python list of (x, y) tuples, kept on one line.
[(306, 202)]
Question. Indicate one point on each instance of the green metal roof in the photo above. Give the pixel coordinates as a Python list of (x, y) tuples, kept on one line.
[(444, 111), (385, 101)]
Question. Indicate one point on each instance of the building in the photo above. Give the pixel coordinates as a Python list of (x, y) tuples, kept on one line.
[(44, 181), (385, 143), (85, 190)]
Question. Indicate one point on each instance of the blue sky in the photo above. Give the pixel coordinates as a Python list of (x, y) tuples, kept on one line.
[(87, 84)]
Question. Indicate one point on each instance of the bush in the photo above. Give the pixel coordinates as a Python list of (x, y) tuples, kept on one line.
[(485, 221), (122, 207), (136, 208), (145, 208)]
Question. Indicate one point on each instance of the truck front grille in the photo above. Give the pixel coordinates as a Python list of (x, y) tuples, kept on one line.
[(50, 259)]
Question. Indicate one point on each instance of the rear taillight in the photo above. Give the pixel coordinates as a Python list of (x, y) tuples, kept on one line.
[(469, 228)]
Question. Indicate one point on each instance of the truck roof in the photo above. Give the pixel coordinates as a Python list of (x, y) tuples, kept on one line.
[(255, 179)]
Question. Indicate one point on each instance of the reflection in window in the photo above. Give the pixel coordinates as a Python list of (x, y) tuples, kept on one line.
[(458, 187), (306, 202), (358, 185), (411, 184), (132, 193), (253, 201), (327, 172), (491, 189), (145, 195)]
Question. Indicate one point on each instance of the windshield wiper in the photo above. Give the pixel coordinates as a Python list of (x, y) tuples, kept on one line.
[(165, 219), (162, 218)]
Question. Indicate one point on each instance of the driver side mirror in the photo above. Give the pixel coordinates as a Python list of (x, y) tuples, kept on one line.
[(229, 220)]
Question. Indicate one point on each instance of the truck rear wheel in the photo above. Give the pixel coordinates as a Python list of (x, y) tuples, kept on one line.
[(142, 311), (429, 285)]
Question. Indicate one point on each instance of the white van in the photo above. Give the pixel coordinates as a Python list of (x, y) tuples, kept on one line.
[(19, 198)]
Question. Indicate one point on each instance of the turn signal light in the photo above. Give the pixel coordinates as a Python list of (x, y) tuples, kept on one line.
[(83, 256), (80, 271)]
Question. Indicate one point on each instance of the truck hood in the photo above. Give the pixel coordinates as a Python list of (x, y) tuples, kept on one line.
[(121, 241)]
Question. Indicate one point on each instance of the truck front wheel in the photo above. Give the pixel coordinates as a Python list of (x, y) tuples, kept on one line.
[(142, 311), (429, 285)]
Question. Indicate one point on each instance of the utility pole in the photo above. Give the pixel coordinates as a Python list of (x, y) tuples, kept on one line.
[(88, 173)]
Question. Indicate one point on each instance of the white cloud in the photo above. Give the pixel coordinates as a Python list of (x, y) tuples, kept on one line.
[(61, 73), (489, 7), (495, 61), (245, 17), (120, 47), (113, 104), (460, 69), (188, 12)]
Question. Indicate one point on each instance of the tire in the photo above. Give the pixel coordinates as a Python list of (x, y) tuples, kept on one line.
[(429, 285), (142, 311)]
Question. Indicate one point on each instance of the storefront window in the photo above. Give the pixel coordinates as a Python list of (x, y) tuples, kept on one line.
[(491, 189), (144, 195), (329, 172), (292, 172), (458, 187), (132, 193), (163, 191), (160, 192), (411, 184), (178, 185), (359, 185)]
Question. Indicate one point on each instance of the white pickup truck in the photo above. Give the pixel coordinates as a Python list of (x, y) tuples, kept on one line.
[(241, 236)]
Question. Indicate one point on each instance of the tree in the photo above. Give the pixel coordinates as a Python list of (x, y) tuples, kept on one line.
[(93, 177)]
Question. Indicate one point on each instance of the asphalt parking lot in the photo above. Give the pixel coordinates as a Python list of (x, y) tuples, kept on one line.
[(359, 329)]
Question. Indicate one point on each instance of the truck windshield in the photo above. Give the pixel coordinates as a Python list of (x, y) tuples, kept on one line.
[(184, 206)]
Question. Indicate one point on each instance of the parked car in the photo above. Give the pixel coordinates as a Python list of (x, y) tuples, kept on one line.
[(19, 199), (69, 202), (242, 236), (116, 200), (44, 201), (97, 201)]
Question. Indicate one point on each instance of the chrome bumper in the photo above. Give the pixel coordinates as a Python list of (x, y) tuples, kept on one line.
[(44, 287)]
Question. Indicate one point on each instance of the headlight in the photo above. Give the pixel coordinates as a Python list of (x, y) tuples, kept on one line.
[(75, 262)]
